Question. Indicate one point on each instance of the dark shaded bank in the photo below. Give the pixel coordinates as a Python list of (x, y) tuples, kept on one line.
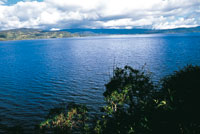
[(135, 105)]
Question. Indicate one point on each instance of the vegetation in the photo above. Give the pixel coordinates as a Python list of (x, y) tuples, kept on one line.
[(70, 120), (136, 106), (127, 95), (181, 92), (24, 34)]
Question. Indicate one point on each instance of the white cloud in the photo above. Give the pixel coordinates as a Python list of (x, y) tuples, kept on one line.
[(54, 29), (158, 14), (181, 22), (2, 2), (127, 23)]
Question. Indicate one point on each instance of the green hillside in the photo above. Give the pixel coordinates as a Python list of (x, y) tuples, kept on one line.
[(24, 34)]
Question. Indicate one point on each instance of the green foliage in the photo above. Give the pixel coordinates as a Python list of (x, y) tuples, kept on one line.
[(127, 95), (134, 106), (181, 90), (63, 121)]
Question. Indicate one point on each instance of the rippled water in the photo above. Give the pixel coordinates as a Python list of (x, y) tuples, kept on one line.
[(36, 75)]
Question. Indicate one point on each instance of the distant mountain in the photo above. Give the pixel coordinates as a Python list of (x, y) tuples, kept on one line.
[(107, 31), (24, 33), (181, 30), (132, 31)]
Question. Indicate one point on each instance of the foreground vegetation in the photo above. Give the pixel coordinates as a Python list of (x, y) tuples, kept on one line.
[(137, 106)]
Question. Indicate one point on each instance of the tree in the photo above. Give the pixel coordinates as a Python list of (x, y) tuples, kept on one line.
[(127, 95), (181, 90), (135, 106)]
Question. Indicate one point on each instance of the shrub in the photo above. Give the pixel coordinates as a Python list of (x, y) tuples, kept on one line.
[(64, 121), (127, 95), (181, 90), (135, 106)]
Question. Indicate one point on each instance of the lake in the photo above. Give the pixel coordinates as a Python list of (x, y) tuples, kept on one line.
[(37, 75)]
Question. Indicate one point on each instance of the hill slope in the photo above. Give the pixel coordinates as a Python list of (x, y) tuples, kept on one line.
[(24, 33)]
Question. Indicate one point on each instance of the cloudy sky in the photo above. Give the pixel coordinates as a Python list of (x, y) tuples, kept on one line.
[(124, 14)]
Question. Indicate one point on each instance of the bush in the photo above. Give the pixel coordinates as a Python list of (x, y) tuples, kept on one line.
[(65, 121), (181, 90), (135, 106), (127, 95)]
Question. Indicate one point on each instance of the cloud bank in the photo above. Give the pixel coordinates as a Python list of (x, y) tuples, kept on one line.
[(63, 14)]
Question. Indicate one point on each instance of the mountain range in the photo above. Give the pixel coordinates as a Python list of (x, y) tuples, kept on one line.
[(26, 33)]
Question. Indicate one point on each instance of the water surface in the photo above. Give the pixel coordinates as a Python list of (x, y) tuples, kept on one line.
[(36, 75)]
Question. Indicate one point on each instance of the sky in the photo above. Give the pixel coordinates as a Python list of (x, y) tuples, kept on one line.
[(97, 14)]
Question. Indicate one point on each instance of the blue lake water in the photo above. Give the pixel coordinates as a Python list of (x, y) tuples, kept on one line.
[(37, 75)]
